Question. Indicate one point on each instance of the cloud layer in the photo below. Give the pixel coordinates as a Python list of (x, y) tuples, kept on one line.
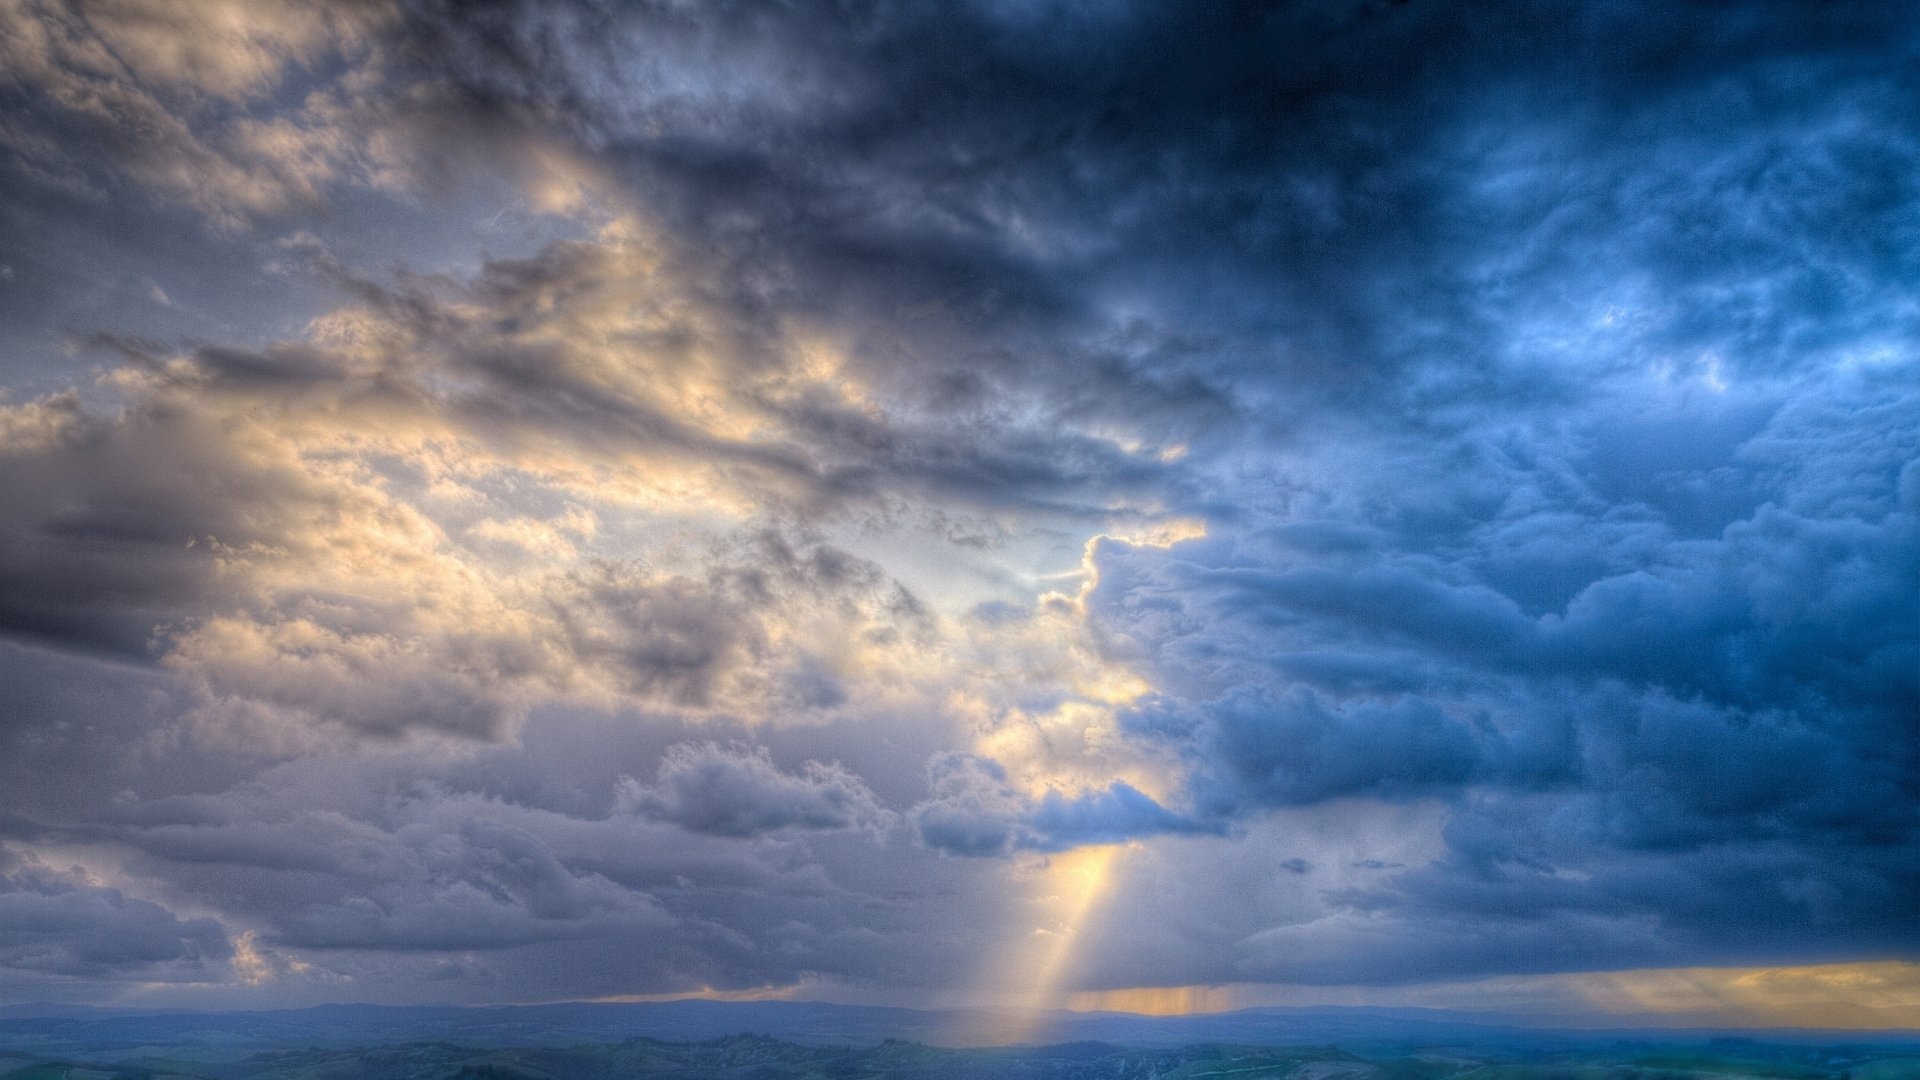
[(552, 500)]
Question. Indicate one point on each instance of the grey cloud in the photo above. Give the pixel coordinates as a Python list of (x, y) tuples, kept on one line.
[(1298, 749), (1294, 225), (113, 520), (374, 867), (410, 875), (738, 791), (1711, 733), (61, 923), (1119, 813), (976, 811), (68, 716), (676, 638), (488, 885), (148, 92)]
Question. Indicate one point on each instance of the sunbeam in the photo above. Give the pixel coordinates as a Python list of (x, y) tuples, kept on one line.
[(1027, 977)]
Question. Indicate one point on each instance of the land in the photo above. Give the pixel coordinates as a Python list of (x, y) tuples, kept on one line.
[(573, 1042)]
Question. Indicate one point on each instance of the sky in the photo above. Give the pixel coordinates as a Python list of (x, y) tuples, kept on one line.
[(1019, 502)]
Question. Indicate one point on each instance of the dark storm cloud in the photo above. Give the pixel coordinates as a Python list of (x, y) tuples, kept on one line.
[(1297, 750), (1542, 375), (1714, 735), (1359, 199)]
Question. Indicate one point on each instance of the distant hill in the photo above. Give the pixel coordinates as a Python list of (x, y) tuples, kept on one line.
[(54, 1030), (759, 1057)]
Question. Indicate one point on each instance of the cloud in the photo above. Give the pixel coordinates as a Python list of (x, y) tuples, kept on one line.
[(65, 923), (381, 871), (131, 87), (976, 811), (1297, 750), (494, 886), (345, 581), (108, 542), (1435, 492), (1689, 741), (737, 791)]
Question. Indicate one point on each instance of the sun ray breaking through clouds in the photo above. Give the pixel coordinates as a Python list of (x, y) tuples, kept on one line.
[(1027, 978)]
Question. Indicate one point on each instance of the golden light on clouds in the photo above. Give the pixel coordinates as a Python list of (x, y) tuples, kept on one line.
[(255, 965)]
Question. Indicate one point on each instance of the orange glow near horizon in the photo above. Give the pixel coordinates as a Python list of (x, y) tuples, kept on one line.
[(1862, 996), (1157, 1000), (1859, 996)]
